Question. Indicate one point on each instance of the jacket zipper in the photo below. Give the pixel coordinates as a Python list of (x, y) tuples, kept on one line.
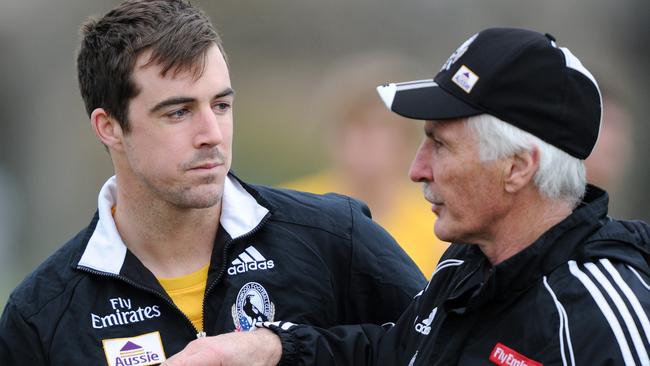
[(224, 265), (199, 334)]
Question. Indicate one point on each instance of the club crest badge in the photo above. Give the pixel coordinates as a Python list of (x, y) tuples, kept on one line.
[(252, 306)]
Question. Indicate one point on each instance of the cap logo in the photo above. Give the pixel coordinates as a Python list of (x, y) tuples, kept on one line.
[(465, 78), (460, 51)]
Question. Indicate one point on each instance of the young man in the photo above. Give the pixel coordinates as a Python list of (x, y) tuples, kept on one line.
[(538, 273), (180, 248)]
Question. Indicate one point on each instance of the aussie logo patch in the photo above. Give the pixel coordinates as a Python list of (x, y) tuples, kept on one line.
[(252, 306), (465, 78), (505, 356), (145, 349)]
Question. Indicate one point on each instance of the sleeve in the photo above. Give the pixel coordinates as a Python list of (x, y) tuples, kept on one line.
[(358, 345), (19, 341), (604, 314), (383, 279)]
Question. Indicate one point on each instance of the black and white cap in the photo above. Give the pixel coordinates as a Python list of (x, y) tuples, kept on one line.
[(519, 76)]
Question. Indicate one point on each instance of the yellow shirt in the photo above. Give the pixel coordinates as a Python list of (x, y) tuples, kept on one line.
[(187, 292), (410, 221)]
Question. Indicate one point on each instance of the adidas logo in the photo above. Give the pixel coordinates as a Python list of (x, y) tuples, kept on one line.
[(249, 260), (424, 327)]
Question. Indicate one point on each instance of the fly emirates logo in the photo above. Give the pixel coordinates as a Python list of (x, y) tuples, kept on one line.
[(504, 356), (124, 313)]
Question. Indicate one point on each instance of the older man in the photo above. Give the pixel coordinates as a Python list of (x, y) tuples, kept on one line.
[(538, 274)]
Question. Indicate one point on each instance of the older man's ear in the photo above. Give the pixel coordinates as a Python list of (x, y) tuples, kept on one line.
[(520, 170)]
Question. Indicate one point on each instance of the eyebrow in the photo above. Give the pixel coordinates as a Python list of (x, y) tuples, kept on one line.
[(182, 100)]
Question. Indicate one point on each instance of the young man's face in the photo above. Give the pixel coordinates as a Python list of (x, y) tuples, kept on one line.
[(180, 143), (466, 194)]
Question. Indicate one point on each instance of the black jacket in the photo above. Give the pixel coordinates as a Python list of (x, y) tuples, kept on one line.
[(579, 295), (280, 255)]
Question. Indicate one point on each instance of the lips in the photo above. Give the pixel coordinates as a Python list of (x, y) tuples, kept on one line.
[(205, 159), (206, 166)]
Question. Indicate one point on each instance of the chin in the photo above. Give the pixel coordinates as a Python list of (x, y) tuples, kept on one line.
[(443, 232), (201, 197), (199, 203)]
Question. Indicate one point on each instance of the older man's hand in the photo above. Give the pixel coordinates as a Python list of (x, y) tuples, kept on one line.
[(258, 348)]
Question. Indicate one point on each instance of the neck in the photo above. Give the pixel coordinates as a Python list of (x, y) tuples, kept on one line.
[(170, 241), (528, 220)]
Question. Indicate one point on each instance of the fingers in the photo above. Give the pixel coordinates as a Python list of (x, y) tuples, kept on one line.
[(259, 348), (184, 358), (190, 356)]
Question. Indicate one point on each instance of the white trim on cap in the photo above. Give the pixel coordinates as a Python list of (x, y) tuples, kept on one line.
[(573, 62), (387, 91), (416, 84)]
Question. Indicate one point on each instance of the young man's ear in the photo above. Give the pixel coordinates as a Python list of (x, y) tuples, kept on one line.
[(107, 129), (521, 169)]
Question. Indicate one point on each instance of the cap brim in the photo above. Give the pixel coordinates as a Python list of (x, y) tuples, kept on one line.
[(425, 100)]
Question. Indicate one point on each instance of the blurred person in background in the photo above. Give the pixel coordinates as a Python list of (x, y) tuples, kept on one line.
[(608, 164), (369, 149), (180, 248)]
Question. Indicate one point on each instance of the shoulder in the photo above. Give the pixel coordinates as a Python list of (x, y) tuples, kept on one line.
[(628, 230), (331, 212), (601, 285), (373, 252), (603, 307), (320, 182), (49, 282)]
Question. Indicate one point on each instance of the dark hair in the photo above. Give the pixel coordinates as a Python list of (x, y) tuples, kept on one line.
[(178, 35)]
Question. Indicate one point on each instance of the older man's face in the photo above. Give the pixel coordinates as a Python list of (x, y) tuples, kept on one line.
[(466, 194)]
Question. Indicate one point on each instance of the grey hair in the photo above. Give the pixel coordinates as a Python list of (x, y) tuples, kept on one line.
[(560, 176)]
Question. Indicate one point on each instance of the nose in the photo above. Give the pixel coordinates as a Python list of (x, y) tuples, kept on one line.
[(208, 129), (420, 170)]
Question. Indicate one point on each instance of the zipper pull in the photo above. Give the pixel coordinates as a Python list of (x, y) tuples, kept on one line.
[(200, 334)]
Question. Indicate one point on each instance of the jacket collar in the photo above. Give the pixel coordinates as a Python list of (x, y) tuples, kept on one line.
[(554, 248), (106, 252), (561, 243)]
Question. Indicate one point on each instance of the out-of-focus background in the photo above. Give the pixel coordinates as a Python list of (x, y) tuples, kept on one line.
[(280, 52)]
